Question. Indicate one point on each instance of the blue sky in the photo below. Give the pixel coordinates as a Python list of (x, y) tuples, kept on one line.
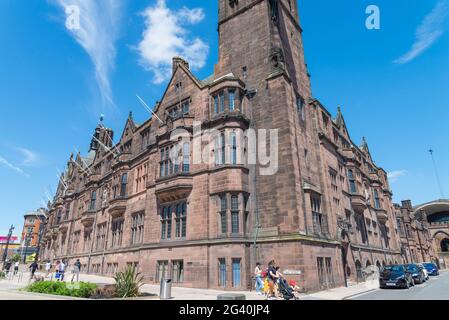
[(392, 83)]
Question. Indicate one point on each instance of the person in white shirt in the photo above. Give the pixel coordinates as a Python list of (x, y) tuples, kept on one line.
[(16, 267), (62, 266), (47, 268)]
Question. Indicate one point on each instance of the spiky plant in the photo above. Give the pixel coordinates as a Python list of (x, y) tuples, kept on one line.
[(128, 283)]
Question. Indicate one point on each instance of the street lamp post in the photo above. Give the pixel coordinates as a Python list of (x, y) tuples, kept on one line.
[(5, 253), (28, 238)]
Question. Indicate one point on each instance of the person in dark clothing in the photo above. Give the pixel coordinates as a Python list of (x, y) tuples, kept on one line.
[(272, 277), (33, 268), (7, 267), (76, 271)]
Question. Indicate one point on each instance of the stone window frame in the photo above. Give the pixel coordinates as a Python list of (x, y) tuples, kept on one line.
[(137, 227), (352, 181), (181, 164), (141, 177), (377, 202), (222, 271), (235, 214), (164, 266), (231, 218), (319, 219), (228, 150), (177, 271), (180, 109), (300, 104), (117, 226), (87, 239), (100, 236), (93, 200), (223, 214), (170, 216), (221, 103)]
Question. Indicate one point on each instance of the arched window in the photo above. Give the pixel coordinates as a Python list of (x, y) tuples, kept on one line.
[(368, 263), (445, 245), (352, 185)]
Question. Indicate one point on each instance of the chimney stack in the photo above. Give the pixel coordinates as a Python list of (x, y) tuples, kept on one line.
[(178, 61)]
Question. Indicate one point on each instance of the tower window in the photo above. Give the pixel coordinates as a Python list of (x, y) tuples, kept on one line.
[(231, 100), (352, 186)]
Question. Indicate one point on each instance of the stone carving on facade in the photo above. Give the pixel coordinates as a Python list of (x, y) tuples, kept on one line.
[(105, 197), (277, 59)]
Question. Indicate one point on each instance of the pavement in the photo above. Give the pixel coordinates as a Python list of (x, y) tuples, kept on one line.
[(435, 289)]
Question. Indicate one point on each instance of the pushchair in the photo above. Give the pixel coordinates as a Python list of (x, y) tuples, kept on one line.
[(285, 290)]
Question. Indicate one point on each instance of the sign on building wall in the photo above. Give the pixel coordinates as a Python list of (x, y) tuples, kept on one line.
[(292, 272)]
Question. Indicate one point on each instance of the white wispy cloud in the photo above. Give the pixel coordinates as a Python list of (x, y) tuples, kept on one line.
[(166, 36), (31, 158), (428, 32), (97, 34), (11, 166), (395, 175)]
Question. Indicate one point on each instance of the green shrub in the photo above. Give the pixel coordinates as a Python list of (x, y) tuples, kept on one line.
[(79, 290), (2, 275), (128, 283)]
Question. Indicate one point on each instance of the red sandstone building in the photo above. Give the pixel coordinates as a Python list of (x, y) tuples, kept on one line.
[(32, 229), (324, 215)]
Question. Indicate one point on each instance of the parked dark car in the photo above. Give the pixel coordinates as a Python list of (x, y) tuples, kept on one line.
[(417, 273), (431, 268), (395, 276)]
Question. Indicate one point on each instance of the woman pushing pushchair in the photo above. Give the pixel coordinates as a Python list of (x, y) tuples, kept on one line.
[(276, 285)]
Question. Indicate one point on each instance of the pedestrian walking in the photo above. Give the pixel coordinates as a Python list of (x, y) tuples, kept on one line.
[(47, 268), (76, 271), (16, 267), (272, 278), (62, 267), (259, 280), (57, 274), (7, 267), (33, 268)]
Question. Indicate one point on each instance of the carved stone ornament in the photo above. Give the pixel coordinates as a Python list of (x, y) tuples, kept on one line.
[(277, 58)]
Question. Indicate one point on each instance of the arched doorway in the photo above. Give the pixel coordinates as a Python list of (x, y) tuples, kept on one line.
[(358, 270), (444, 244)]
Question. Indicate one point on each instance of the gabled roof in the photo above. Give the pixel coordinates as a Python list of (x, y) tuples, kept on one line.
[(340, 123), (130, 128), (190, 75), (364, 147)]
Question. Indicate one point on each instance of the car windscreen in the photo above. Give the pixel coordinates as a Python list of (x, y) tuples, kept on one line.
[(393, 268)]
